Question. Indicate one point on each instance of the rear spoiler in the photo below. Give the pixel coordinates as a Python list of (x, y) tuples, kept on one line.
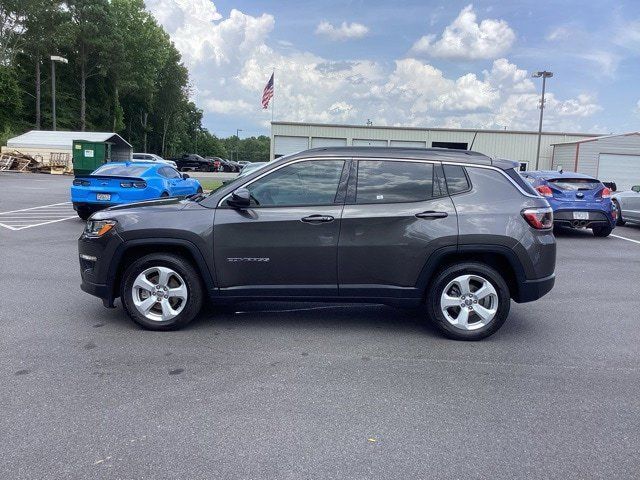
[(112, 177)]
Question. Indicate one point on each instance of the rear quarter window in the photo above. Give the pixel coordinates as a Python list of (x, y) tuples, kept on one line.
[(525, 182), (457, 181)]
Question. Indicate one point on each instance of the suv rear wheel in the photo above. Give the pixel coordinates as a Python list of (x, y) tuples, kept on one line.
[(468, 301), (161, 292)]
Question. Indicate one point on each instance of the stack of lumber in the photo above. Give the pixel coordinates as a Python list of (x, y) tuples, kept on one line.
[(18, 161)]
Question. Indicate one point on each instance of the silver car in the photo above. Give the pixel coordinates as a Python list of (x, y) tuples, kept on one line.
[(151, 157), (627, 204)]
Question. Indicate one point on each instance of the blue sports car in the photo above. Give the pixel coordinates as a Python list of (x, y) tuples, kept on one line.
[(116, 183), (577, 200)]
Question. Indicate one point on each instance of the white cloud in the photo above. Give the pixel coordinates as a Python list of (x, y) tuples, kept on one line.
[(231, 58), (605, 62), (467, 39), (561, 32), (345, 31)]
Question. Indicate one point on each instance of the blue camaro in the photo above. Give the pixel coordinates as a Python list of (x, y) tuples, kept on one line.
[(577, 200), (116, 183)]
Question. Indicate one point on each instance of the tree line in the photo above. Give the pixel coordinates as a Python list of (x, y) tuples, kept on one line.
[(124, 75)]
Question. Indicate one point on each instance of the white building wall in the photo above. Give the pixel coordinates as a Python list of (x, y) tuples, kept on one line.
[(564, 156), (519, 146), (589, 152)]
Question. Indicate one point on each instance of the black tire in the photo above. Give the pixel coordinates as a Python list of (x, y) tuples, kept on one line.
[(164, 194), (183, 268), (619, 220), (602, 231), (199, 190), (439, 283), (84, 213)]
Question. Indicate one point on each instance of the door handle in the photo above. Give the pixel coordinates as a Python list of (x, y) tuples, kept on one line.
[(317, 219), (431, 215)]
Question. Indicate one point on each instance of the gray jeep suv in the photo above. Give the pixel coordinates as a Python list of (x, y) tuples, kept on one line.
[(455, 230)]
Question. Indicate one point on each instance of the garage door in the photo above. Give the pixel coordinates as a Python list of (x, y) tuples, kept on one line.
[(407, 144), (328, 142), (624, 170), (357, 142), (283, 145)]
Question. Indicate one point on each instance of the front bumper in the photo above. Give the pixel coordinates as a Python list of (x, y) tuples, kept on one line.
[(98, 276), (99, 290)]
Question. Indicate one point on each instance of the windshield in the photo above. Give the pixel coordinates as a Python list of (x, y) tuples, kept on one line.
[(575, 183), (120, 170)]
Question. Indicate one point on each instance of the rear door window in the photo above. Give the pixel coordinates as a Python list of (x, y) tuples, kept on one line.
[(390, 181)]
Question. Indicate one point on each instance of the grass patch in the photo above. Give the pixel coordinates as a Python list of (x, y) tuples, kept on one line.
[(209, 184)]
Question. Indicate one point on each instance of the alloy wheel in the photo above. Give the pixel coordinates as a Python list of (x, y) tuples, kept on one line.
[(159, 293), (469, 302)]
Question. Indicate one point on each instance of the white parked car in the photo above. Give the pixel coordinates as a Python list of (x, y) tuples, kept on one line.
[(151, 157), (627, 203)]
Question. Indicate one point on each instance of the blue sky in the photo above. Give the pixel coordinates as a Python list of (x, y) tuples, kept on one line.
[(438, 63)]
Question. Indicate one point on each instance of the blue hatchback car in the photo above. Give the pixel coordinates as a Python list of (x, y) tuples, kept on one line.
[(577, 200), (115, 183)]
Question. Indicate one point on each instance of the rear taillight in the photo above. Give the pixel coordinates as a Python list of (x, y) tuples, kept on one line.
[(133, 184), (539, 218), (81, 183), (606, 193), (544, 191)]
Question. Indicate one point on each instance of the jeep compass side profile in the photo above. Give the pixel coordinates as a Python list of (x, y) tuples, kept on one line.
[(458, 231)]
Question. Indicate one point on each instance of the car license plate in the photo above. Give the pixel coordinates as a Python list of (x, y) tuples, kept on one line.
[(581, 215), (103, 196)]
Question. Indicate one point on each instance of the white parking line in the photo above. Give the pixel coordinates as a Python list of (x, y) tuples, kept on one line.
[(625, 238), (36, 216), (35, 208)]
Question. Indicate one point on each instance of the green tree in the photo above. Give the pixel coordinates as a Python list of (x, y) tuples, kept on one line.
[(10, 102), (91, 26)]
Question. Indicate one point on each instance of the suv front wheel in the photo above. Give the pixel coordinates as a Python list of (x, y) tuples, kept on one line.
[(468, 301), (161, 292)]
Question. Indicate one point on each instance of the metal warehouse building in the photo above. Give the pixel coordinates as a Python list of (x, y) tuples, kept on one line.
[(290, 137), (611, 158), (41, 144)]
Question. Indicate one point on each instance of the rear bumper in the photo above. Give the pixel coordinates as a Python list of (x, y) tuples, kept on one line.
[(92, 206), (598, 217), (530, 290)]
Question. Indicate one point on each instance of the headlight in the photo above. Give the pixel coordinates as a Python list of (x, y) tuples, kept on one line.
[(97, 228)]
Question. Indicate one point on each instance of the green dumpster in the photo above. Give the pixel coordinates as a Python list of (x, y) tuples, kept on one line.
[(87, 156)]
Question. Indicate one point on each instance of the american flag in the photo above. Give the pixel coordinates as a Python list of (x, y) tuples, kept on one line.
[(267, 94)]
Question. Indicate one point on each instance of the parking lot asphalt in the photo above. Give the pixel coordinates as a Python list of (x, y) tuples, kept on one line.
[(288, 391)]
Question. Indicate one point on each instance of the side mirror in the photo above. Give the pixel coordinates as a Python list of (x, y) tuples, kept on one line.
[(636, 188), (241, 198), (185, 176)]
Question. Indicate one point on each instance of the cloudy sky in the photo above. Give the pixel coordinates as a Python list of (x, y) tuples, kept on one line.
[(419, 63)]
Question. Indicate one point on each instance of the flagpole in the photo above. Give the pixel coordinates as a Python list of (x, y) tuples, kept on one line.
[(273, 99)]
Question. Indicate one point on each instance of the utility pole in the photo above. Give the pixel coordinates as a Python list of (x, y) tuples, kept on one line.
[(238, 130), (544, 74), (54, 59)]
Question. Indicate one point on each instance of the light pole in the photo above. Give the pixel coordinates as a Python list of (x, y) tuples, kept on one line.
[(238, 130), (544, 74), (54, 59)]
